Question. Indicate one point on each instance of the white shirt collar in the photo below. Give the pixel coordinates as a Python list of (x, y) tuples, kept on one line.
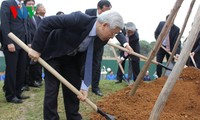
[(41, 16), (97, 13), (17, 1)]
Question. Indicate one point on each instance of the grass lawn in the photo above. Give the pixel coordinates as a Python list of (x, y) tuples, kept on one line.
[(32, 109)]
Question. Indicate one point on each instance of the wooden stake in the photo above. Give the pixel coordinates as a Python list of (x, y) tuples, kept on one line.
[(162, 98)]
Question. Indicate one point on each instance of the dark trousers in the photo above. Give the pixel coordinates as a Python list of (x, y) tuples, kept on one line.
[(96, 70), (196, 59), (119, 71), (134, 68), (27, 81), (160, 56), (69, 68), (35, 72), (15, 72)]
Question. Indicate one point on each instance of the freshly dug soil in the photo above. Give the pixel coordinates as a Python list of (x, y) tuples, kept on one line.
[(182, 104)]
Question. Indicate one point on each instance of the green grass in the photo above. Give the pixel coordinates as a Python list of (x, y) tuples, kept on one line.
[(32, 109)]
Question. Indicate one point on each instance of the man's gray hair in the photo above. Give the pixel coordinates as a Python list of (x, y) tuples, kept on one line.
[(130, 26), (113, 18), (39, 5)]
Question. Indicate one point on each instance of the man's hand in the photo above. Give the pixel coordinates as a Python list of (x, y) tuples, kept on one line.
[(129, 48), (119, 59), (83, 96), (167, 50), (176, 57), (29, 45), (11, 47), (34, 55)]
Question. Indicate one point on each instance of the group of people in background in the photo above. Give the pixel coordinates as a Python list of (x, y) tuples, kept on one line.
[(68, 42), (20, 71)]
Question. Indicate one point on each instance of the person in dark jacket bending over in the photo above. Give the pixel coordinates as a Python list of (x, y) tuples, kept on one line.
[(68, 43), (132, 38)]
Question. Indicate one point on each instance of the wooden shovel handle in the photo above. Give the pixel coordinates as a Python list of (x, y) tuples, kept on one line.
[(115, 54), (52, 71), (166, 50), (132, 53)]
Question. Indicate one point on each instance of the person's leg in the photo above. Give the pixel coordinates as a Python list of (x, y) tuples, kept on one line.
[(135, 69), (35, 75), (119, 73), (167, 56), (31, 74), (38, 73), (27, 78), (197, 60), (159, 58), (10, 74), (51, 93), (71, 71), (130, 71), (21, 71)]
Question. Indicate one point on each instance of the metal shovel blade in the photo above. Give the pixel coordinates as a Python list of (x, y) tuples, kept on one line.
[(171, 65), (167, 68), (107, 116)]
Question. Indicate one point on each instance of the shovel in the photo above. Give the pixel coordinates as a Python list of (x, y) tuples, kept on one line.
[(139, 55), (120, 65), (60, 78), (171, 64)]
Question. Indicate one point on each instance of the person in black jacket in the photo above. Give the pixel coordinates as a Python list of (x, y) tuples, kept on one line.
[(15, 56), (60, 13), (195, 52), (64, 41), (32, 28), (132, 37), (35, 70), (103, 5), (168, 42)]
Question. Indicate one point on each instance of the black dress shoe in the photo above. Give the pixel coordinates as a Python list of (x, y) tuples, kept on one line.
[(98, 92), (35, 84), (39, 83), (25, 88), (118, 81), (23, 97), (15, 100)]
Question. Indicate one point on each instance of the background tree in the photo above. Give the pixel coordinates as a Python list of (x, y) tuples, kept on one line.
[(152, 44), (145, 47)]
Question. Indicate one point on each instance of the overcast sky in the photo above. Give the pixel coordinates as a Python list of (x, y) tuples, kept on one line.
[(146, 14)]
